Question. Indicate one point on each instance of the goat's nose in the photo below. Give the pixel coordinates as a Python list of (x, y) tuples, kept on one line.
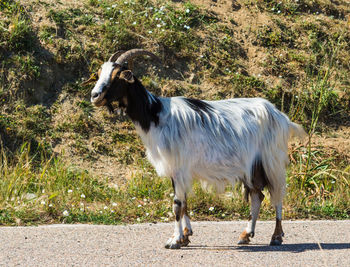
[(95, 95)]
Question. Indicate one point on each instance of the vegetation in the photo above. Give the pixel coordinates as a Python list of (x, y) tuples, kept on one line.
[(62, 160)]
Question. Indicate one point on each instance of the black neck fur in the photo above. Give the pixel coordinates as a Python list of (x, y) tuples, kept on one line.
[(141, 107)]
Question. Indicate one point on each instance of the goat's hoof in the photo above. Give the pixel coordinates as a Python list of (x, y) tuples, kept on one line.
[(185, 241), (275, 242), (243, 241), (173, 246), (244, 238), (174, 243)]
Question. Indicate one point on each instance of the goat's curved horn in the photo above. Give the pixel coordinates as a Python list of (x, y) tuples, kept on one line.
[(115, 56), (129, 55)]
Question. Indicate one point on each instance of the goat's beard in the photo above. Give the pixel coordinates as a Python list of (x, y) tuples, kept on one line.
[(101, 103), (115, 107)]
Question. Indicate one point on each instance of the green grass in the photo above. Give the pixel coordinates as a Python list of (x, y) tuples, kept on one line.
[(303, 68)]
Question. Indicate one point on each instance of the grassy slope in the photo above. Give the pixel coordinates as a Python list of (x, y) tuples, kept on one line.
[(58, 153)]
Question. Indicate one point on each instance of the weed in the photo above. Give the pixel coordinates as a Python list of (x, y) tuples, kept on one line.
[(302, 55)]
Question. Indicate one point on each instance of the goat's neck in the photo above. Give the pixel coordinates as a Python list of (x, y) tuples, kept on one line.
[(142, 107)]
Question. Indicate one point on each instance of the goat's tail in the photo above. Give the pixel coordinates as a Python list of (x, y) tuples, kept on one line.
[(275, 158), (297, 130)]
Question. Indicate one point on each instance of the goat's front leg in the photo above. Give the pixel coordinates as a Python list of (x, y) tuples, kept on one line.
[(179, 204)]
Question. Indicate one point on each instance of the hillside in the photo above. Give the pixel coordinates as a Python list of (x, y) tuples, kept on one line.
[(294, 53)]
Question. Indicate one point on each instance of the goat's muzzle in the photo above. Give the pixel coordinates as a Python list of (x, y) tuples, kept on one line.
[(98, 99)]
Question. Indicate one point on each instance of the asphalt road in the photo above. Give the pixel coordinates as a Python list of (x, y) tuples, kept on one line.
[(306, 243)]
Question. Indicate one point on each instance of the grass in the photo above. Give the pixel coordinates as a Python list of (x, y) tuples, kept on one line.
[(64, 161)]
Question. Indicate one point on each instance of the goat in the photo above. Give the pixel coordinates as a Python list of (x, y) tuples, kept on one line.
[(219, 142)]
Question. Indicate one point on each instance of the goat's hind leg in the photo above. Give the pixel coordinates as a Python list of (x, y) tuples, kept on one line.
[(256, 197), (276, 239)]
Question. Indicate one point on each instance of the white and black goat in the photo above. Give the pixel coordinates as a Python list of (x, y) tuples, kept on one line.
[(219, 142)]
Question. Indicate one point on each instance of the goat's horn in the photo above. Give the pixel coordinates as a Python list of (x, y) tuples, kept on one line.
[(115, 56), (129, 55)]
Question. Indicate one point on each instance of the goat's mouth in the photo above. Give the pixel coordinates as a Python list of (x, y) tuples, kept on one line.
[(98, 102), (98, 99)]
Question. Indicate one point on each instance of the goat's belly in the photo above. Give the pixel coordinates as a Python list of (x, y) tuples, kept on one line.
[(218, 174)]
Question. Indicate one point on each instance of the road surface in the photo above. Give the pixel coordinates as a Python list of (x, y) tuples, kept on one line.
[(306, 243)]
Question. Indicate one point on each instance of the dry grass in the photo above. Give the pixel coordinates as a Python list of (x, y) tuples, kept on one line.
[(294, 54)]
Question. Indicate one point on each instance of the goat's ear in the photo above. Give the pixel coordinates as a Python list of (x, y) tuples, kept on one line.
[(127, 75)]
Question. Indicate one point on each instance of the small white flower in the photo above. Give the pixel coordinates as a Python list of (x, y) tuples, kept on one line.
[(158, 25), (191, 213), (139, 205), (171, 194), (101, 211), (114, 204), (121, 11), (333, 182), (125, 2), (70, 191), (65, 213), (187, 10), (108, 8), (112, 211), (150, 8), (279, 11), (147, 213), (138, 219), (42, 202), (280, 76), (134, 23), (114, 6), (81, 209), (163, 30), (211, 208), (81, 204), (110, 18), (82, 196), (50, 205), (133, 198), (43, 191), (149, 31), (223, 215), (105, 207), (157, 18), (166, 219), (145, 200)]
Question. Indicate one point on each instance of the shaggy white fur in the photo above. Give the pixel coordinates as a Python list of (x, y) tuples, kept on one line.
[(220, 143)]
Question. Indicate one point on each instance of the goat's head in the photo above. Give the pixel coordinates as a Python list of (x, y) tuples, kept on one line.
[(114, 79)]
